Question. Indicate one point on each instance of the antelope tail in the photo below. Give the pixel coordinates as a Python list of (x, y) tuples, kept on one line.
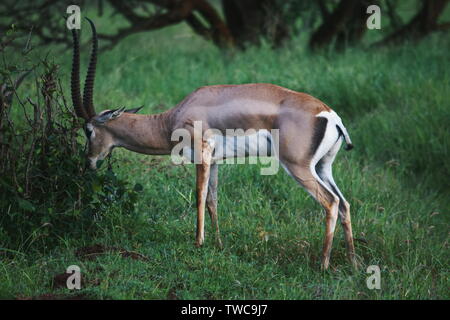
[(343, 131)]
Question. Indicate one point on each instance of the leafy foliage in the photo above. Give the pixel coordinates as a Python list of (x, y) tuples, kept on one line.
[(45, 190)]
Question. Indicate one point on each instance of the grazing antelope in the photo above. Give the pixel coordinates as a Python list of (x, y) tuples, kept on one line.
[(310, 135)]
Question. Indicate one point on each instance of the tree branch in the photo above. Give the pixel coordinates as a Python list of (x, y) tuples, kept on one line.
[(424, 22)]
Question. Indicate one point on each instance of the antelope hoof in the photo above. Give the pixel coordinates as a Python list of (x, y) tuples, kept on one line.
[(325, 263), (198, 243), (219, 244)]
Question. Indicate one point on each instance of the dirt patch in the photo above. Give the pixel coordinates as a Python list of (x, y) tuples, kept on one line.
[(362, 240), (133, 255), (92, 252), (173, 293), (60, 280)]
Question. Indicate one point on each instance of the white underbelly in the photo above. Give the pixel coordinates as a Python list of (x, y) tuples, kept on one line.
[(260, 144)]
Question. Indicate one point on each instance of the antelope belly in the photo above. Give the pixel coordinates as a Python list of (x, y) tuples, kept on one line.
[(238, 146)]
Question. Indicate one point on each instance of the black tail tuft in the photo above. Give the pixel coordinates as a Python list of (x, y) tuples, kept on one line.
[(349, 147)]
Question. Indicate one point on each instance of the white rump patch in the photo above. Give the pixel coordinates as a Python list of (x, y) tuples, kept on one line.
[(332, 118)]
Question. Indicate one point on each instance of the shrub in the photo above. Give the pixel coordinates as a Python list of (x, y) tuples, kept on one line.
[(45, 191)]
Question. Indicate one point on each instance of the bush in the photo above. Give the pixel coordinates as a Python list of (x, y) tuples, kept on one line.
[(45, 191)]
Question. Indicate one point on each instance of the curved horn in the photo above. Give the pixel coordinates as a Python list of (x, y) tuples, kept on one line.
[(88, 94), (75, 80)]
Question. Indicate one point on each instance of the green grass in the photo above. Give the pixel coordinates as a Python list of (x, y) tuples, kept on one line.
[(394, 102)]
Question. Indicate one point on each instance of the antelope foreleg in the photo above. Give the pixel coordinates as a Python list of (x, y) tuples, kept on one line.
[(203, 172)]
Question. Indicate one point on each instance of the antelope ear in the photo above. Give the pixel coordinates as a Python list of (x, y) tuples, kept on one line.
[(108, 115), (135, 110)]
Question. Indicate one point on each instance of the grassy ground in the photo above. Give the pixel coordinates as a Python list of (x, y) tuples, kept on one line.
[(395, 105)]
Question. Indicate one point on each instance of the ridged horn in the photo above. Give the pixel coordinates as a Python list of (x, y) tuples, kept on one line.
[(88, 94), (75, 79)]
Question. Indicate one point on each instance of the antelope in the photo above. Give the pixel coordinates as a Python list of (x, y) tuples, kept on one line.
[(310, 135)]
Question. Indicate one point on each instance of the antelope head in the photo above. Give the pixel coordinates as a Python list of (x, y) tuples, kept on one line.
[(99, 128)]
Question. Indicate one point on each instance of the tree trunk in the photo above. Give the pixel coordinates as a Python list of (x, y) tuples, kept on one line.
[(249, 20), (356, 26), (333, 24)]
